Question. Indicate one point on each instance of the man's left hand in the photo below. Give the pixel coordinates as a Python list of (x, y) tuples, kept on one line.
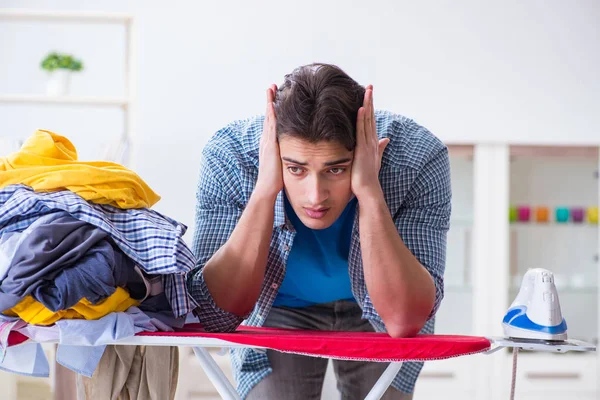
[(368, 151)]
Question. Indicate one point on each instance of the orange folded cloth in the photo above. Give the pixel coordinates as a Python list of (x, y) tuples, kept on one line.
[(34, 312), (48, 162)]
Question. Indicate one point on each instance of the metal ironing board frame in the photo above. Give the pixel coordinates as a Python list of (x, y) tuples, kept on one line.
[(216, 375), (228, 392)]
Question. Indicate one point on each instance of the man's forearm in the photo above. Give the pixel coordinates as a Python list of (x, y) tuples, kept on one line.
[(401, 289), (235, 273)]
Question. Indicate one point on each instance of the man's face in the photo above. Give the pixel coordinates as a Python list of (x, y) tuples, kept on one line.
[(316, 178)]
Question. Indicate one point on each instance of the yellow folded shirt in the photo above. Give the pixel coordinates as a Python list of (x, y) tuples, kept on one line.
[(34, 312), (47, 162)]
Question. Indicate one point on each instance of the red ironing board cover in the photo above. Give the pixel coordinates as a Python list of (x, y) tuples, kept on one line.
[(344, 345)]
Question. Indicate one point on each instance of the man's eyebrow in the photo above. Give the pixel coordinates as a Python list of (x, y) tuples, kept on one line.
[(293, 161), (340, 161), (327, 164)]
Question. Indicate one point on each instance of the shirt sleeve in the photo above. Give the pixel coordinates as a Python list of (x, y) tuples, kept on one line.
[(423, 220), (219, 206)]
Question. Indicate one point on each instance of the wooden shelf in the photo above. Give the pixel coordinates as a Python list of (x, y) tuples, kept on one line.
[(64, 16), (65, 100)]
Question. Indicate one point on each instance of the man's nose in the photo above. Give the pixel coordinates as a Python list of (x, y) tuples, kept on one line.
[(317, 191)]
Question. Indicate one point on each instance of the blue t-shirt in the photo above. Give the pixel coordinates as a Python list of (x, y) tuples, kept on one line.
[(317, 266)]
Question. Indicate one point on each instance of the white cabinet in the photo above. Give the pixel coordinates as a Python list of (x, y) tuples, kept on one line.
[(566, 376), (514, 208), (554, 225), (553, 215)]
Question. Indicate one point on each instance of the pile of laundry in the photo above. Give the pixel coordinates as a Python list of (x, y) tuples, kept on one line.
[(84, 260)]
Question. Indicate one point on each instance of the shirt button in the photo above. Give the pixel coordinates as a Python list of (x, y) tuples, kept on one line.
[(286, 247), (274, 286)]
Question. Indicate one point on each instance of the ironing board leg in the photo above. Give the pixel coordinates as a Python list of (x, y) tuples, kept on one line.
[(384, 382), (215, 374)]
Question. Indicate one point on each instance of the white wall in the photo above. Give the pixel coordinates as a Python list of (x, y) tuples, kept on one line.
[(470, 70)]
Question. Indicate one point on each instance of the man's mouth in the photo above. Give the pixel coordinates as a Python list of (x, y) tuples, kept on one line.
[(316, 213)]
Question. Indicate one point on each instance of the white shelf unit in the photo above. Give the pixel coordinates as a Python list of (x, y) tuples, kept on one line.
[(91, 17), (66, 100), (552, 177), (484, 298), (122, 152)]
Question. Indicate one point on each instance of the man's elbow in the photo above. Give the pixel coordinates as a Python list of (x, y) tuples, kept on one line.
[(405, 325), (408, 321), (215, 320), (401, 330)]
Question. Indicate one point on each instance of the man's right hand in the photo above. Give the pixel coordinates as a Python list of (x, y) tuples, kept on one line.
[(270, 170), (234, 275)]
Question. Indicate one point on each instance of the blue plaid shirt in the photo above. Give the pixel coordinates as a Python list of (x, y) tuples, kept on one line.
[(415, 178), (154, 241)]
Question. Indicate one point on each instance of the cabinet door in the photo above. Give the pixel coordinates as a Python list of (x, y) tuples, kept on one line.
[(572, 376), (458, 294)]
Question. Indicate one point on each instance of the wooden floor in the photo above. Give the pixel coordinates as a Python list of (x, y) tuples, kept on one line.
[(33, 391)]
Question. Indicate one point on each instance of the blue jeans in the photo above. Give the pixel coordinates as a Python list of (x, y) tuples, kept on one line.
[(301, 377)]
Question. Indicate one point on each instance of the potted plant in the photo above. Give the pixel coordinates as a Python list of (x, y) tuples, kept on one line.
[(59, 67)]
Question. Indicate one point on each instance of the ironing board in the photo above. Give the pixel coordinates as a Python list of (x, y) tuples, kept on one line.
[(363, 346)]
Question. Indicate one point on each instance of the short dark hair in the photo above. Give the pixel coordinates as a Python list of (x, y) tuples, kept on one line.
[(319, 102)]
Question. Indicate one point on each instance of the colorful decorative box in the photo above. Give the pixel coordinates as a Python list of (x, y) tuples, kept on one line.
[(523, 213), (512, 214), (592, 215), (562, 214), (577, 214), (542, 214)]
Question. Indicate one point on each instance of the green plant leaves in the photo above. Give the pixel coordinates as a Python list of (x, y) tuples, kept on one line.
[(55, 60)]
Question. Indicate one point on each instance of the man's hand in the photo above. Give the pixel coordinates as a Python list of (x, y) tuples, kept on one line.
[(270, 170), (368, 151), (234, 275)]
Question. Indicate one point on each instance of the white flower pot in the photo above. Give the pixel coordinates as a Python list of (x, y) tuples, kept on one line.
[(58, 82)]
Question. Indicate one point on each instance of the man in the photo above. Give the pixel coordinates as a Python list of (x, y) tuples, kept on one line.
[(330, 217)]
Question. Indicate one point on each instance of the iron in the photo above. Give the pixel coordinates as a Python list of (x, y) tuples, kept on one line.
[(535, 313)]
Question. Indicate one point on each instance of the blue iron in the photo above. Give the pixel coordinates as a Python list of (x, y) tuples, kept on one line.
[(535, 313)]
